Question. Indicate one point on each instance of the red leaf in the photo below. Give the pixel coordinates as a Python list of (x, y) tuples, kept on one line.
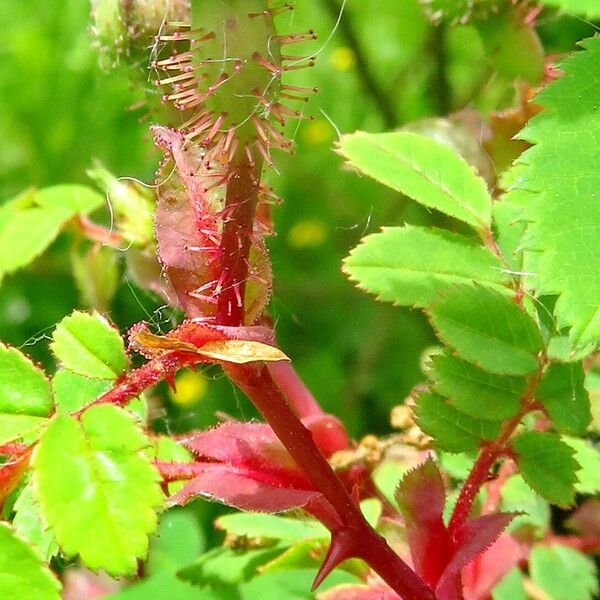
[(471, 539), (359, 592), (11, 473), (483, 573), (244, 489), (421, 496), (249, 445), (249, 469)]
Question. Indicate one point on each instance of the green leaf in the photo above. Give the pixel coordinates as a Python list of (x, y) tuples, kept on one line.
[(588, 458), (29, 226), (22, 574), (487, 329), (411, 265), (509, 229), (29, 526), (451, 430), (518, 497), (87, 344), (226, 566), (583, 8), (547, 465), (563, 573), (73, 391), (24, 389), (96, 489), (563, 395), (476, 392), (264, 526), (565, 216), (423, 169), (510, 587)]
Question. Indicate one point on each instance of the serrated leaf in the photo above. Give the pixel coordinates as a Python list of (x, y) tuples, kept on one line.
[(88, 345), (547, 465), (509, 229), (421, 496), (29, 226), (28, 524), (73, 391), (471, 539), (96, 489), (24, 389), (451, 430), (476, 392), (264, 526), (488, 329), (411, 265), (22, 574), (226, 566), (423, 169), (565, 217), (563, 573), (588, 458), (562, 393), (583, 8)]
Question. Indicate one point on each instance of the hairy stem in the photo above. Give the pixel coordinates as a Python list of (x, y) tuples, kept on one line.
[(259, 386), (240, 206)]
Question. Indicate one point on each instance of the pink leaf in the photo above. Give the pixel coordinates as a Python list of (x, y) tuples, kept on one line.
[(483, 573), (421, 496), (471, 539), (243, 489), (359, 592), (586, 519), (250, 445)]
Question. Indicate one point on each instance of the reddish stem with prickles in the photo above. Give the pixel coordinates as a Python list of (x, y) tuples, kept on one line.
[(240, 206), (257, 383)]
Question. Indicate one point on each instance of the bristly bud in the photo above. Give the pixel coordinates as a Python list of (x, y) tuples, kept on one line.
[(225, 76)]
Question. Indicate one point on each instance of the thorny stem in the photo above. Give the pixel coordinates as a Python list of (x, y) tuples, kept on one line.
[(258, 385), (240, 205)]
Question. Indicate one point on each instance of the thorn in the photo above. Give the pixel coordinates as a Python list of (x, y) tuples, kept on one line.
[(170, 379), (342, 548), (295, 38)]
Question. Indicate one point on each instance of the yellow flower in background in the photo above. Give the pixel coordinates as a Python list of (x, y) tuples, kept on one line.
[(342, 59), (317, 132), (307, 233), (191, 388)]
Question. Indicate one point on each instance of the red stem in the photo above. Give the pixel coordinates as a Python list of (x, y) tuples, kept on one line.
[(257, 383), (240, 206)]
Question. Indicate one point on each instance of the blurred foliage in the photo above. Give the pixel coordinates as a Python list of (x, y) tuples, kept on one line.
[(381, 64)]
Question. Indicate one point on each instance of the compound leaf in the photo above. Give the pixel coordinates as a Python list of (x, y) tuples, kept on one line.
[(73, 391), (547, 465), (22, 574), (87, 344), (487, 329), (422, 168), (411, 265), (96, 489)]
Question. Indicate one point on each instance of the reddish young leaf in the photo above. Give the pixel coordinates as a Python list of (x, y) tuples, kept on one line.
[(245, 489), (249, 468), (483, 573), (421, 496), (586, 519), (359, 592), (470, 539), (11, 473)]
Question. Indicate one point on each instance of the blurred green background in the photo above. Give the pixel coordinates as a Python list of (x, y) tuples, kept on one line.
[(381, 64)]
